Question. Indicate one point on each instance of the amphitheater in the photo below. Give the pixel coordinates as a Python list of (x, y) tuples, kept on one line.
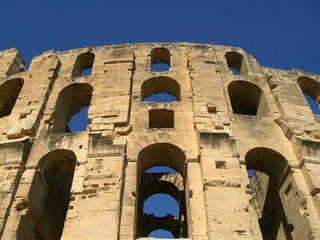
[(240, 141)]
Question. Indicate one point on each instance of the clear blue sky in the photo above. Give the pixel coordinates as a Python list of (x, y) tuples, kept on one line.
[(278, 33)]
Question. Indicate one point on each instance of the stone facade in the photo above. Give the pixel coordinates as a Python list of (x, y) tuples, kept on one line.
[(230, 115)]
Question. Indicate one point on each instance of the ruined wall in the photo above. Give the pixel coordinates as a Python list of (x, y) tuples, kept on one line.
[(229, 115)]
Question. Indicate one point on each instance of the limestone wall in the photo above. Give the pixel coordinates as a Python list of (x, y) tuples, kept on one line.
[(229, 115)]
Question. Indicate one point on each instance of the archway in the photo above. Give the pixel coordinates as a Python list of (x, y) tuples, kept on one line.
[(169, 182), (271, 171), (56, 170), (70, 101)]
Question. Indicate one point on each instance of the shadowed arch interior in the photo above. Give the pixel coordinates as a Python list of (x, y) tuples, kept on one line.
[(160, 84), (269, 162), (247, 98), (9, 92), (160, 56), (70, 101), (83, 62), (311, 88), (163, 154), (273, 221), (57, 170), (236, 60)]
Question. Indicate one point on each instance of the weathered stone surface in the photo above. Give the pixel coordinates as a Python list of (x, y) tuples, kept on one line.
[(228, 115)]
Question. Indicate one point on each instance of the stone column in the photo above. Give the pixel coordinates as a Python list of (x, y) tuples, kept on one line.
[(129, 202)]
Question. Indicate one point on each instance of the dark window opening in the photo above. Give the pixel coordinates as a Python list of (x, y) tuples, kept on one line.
[(220, 164), (160, 60), (167, 88), (236, 63), (161, 118), (243, 106), (247, 98), (9, 92), (72, 100), (83, 65)]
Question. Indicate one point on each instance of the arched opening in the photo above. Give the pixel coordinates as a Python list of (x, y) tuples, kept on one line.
[(247, 98), (160, 85), (161, 118), (311, 90), (71, 100), (236, 63), (56, 170), (9, 92), (161, 171), (160, 59), (83, 65), (271, 169)]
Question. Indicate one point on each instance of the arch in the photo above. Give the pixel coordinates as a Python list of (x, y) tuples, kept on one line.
[(236, 61), (247, 98), (163, 154), (166, 183), (273, 221), (160, 84), (9, 92), (83, 62), (169, 183), (311, 88), (160, 56), (56, 169), (70, 101), (269, 162)]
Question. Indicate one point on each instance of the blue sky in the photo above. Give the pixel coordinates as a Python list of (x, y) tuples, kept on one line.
[(278, 33), (282, 34)]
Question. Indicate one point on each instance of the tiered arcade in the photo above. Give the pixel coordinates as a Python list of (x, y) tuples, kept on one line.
[(205, 117)]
